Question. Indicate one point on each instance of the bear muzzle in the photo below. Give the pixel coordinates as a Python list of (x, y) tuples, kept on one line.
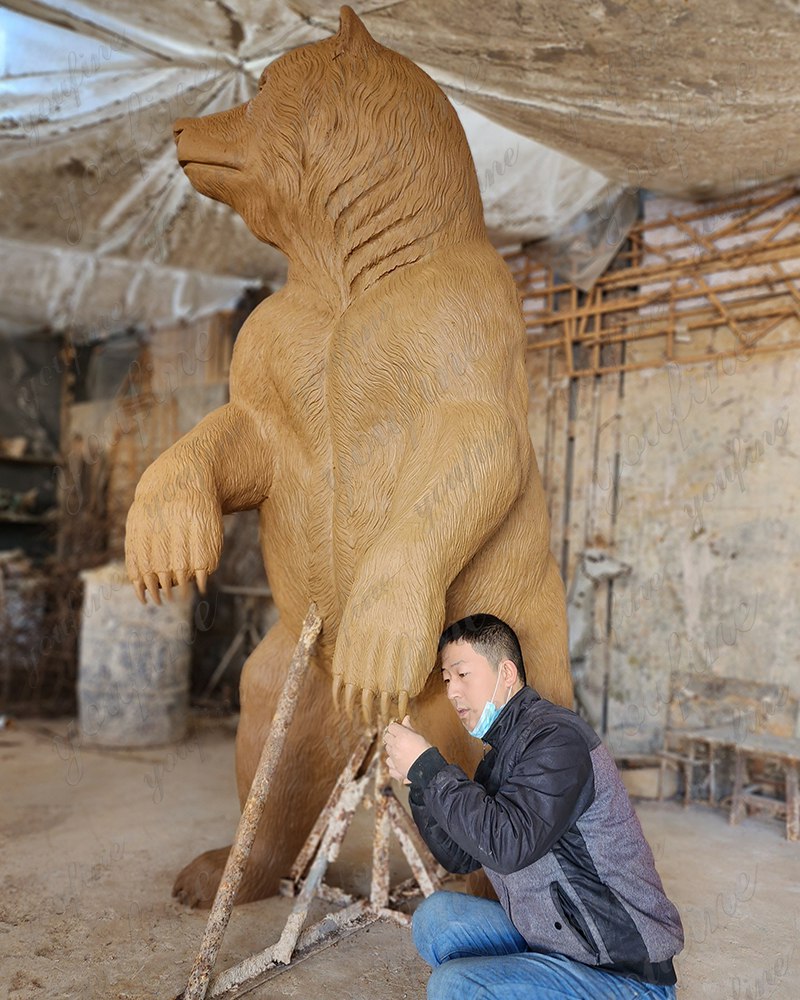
[(199, 142)]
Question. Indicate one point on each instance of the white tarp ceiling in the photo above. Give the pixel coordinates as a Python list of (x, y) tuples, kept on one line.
[(562, 103)]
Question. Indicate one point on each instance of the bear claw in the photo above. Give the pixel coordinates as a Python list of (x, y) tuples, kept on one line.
[(336, 691), (151, 582), (354, 694), (349, 699), (367, 705)]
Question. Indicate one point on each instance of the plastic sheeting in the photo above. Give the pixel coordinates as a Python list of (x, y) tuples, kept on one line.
[(99, 229), (581, 251)]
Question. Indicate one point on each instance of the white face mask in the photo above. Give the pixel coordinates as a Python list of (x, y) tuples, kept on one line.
[(489, 713)]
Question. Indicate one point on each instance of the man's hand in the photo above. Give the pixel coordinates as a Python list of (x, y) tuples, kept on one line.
[(403, 745)]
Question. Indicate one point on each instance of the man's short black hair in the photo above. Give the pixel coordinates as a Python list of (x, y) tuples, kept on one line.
[(488, 635)]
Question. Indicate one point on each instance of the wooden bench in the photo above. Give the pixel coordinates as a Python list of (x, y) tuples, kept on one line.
[(740, 714), (786, 754)]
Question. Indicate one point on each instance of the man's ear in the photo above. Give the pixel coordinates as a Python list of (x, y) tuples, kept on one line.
[(510, 673)]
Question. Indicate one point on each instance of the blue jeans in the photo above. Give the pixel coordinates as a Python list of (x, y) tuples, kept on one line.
[(478, 954)]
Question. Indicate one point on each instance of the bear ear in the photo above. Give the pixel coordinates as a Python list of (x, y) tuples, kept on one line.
[(352, 32)]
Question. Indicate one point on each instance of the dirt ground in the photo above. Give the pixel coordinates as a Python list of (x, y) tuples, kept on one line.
[(90, 841)]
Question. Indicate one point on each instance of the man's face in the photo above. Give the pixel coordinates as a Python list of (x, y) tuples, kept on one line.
[(469, 680)]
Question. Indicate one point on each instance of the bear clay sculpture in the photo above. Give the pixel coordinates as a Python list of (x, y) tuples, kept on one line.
[(377, 420)]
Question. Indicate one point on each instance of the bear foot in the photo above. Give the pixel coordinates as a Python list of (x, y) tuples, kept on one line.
[(196, 884)]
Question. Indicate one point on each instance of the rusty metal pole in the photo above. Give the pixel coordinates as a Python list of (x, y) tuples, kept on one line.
[(413, 847), (379, 893), (339, 814), (251, 814), (309, 849)]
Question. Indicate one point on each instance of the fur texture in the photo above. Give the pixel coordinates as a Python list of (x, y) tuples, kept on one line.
[(377, 420)]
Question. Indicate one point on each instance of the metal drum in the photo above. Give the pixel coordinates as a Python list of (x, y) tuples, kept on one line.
[(134, 663)]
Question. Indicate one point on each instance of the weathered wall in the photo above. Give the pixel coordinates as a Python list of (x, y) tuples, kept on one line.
[(689, 473), (706, 500)]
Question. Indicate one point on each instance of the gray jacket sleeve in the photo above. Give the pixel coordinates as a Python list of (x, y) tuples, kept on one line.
[(548, 785)]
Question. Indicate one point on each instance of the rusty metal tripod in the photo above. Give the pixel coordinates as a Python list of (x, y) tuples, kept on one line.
[(366, 767)]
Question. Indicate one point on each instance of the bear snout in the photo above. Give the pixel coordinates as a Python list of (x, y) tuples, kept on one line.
[(212, 140)]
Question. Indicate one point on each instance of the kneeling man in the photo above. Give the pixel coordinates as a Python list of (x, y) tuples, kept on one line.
[(582, 913)]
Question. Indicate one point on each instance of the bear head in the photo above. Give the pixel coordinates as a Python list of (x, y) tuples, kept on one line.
[(349, 156)]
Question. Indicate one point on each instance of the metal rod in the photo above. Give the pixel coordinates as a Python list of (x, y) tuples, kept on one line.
[(411, 846), (322, 848), (379, 893), (251, 814), (395, 916), (355, 762), (328, 852), (332, 927), (281, 952)]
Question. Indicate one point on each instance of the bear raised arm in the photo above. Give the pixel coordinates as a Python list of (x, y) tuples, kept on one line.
[(378, 409)]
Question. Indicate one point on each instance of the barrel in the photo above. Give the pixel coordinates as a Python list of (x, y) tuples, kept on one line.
[(134, 663)]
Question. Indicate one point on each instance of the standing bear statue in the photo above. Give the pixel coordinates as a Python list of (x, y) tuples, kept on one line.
[(377, 421)]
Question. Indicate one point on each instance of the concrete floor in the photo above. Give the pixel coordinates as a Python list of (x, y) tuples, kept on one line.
[(90, 841)]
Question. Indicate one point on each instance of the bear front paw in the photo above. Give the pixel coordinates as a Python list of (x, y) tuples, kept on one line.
[(385, 651), (173, 534)]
